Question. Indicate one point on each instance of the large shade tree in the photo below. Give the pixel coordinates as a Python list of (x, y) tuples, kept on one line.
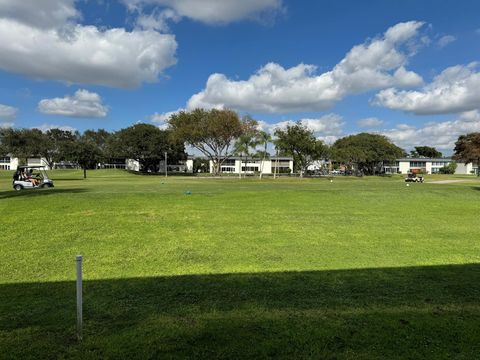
[(300, 142), (426, 151), (23, 143), (467, 149), (86, 153), (365, 152), (148, 144), (57, 146), (212, 132)]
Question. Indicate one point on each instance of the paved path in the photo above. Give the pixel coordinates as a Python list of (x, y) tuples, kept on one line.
[(449, 181)]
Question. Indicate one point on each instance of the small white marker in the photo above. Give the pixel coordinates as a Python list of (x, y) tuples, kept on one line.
[(408, 184), (331, 180)]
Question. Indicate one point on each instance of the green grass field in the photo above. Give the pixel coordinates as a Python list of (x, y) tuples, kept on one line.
[(226, 268)]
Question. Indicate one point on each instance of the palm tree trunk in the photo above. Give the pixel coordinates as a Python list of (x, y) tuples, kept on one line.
[(263, 160)]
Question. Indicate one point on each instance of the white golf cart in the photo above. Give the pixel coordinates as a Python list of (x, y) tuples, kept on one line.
[(31, 177)]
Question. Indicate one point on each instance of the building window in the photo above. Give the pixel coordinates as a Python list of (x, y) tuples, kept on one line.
[(418, 164), (227, 169), (4, 160), (229, 162), (5, 167), (250, 168)]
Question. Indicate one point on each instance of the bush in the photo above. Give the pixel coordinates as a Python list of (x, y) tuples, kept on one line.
[(449, 169)]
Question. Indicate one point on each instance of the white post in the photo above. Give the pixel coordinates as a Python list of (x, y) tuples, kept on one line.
[(79, 298), (166, 164)]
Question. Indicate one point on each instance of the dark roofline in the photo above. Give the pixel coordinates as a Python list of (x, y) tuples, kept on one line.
[(424, 159)]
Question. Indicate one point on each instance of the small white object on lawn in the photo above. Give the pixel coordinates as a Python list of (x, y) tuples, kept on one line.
[(331, 180), (408, 184)]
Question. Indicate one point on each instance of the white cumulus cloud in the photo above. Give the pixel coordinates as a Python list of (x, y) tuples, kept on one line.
[(8, 112), (46, 127), (83, 104), (161, 118), (376, 64), (327, 128), (42, 40), (44, 14), (454, 90), (369, 122), (211, 11), (441, 135), (445, 40), (6, 125)]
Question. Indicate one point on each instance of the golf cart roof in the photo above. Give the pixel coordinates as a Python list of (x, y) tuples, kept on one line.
[(30, 167)]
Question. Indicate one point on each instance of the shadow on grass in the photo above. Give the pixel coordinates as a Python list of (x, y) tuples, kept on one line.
[(398, 313), (38, 192)]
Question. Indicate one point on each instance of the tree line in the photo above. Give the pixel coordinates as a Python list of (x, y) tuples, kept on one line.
[(217, 135), (142, 142)]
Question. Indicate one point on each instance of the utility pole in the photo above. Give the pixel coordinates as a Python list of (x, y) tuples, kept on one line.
[(166, 171)]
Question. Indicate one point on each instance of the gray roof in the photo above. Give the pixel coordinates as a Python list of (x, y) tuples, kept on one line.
[(425, 159)]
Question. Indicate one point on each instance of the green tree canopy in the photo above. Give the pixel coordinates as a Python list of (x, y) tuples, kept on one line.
[(147, 144), (57, 145), (300, 143), (86, 153), (365, 152), (467, 149), (23, 143), (212, 132), (426, 151)]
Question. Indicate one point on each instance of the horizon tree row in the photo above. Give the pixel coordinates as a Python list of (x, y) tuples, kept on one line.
[(217, 135)]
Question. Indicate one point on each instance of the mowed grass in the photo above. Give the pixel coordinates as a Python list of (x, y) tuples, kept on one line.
[(225, 268)]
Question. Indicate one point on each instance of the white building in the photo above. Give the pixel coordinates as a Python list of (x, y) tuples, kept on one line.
[(185, 166), (8, 163), (427, 166), (236, 164), (11, 163)]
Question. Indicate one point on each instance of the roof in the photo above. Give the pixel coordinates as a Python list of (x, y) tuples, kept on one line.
[(425, 159), (30, 167)]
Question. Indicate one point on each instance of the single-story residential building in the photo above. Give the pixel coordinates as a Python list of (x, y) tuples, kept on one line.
[(184, 166), (428, 166), (236, 164), (11, 163)]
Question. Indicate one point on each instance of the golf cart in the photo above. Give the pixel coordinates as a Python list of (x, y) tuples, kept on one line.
[(412, 177), (31, 177)]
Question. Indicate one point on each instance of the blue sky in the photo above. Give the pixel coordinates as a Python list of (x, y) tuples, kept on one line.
[(406, 69)]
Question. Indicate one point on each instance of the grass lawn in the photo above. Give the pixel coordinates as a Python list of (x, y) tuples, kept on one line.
[(222, 268)]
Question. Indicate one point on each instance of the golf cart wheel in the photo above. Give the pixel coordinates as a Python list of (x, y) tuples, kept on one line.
[(46, 186), (18, 187)]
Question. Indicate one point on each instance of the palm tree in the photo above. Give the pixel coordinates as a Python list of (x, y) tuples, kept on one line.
[(263, 138), (244, 144)]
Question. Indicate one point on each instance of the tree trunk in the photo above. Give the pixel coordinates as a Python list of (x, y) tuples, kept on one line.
[(263, 160), (85, 173), (240, 168), (245, 172)]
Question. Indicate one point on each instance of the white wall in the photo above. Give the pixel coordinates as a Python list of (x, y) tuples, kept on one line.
[(189, 165), (267, 166), (132, 165), (464, 169), (404, 167)]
